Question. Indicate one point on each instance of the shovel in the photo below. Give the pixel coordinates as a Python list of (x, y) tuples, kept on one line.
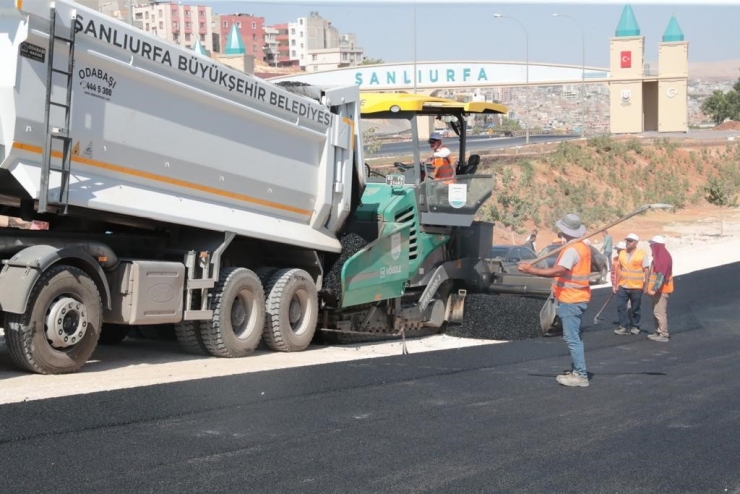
[(549, 314)]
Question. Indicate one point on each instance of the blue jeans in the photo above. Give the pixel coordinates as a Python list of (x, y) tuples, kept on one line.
[(571, 316), (635, 298)]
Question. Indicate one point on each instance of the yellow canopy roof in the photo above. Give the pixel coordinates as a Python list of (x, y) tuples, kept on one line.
[(403, 104)]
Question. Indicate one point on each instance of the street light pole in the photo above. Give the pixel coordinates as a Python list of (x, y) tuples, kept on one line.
[(414, 12), (583, 71), (526, 45)]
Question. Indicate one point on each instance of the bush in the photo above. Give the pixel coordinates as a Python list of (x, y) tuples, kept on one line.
[(605, 144), (634, 145), (721, 192)]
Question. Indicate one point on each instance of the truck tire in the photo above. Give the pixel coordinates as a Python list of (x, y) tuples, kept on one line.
[(238, 306), (64, 304), (265, 274), (291, 310), (113, 334), (189, 337)]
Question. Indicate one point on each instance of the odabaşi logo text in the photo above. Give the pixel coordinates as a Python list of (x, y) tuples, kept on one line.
[(96, 82)]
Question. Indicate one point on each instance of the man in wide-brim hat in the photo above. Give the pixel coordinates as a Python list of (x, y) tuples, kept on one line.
[(572, 291)]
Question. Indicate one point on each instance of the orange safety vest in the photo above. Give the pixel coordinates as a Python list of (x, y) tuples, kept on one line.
[(443, 169), (631, 274), (573, 288), (667, 286)]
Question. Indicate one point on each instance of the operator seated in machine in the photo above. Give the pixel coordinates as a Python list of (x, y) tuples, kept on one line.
[(439, 164)]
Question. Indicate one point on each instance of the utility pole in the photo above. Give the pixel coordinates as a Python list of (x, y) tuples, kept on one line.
[(415, 71), (526, 45), (583, 72)]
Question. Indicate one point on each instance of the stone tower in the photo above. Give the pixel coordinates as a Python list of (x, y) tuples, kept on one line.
[(627, 49), (673, 73)]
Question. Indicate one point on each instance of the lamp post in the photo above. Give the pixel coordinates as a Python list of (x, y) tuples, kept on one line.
[(414, 13), (526, 39), (583, 70)]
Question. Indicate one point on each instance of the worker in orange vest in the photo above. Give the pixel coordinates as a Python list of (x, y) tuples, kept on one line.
[(615, 267), (660, 286), (632, 272), (572, 292), (439, 164)]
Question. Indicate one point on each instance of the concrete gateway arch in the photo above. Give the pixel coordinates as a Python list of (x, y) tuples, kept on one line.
[(641, 98), (432, 76)]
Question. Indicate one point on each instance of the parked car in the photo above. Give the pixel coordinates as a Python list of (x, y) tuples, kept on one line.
[(511, 280), (511, 255), (599, 263)]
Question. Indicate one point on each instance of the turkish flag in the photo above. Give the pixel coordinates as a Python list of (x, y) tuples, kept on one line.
[(626, 59)]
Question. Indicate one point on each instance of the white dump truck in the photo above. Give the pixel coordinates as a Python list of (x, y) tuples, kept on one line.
[(179, 191), (138, 151)]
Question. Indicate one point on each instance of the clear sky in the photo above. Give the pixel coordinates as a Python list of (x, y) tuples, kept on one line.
[(468, 31)]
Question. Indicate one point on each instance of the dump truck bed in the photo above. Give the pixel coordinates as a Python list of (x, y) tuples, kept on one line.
[(167, 134)]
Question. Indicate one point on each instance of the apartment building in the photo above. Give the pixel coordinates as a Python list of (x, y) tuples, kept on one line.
[(179, 24), (252, 30), (283, 39), (271, 45), (345, 53), (315, 45)]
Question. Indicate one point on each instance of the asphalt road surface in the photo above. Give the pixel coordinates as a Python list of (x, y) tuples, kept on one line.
[(475, 143), (656, 418)]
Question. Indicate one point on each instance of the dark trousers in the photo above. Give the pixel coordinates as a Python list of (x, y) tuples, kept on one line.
[(635, 297)]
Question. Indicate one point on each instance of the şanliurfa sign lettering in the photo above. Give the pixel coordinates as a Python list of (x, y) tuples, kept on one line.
[(451, 74)]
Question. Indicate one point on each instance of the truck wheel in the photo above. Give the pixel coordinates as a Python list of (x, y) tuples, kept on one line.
[(189, 336), (265, 274), (113, 334), (238, 306), (292, 309), (60, 328)]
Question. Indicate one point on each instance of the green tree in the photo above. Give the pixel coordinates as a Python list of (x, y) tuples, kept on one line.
[(509, 124), (372, 61), (721, 192), (370, 142), (721, 106)]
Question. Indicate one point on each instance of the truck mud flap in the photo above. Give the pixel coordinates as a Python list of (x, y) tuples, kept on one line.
[(20, 273)]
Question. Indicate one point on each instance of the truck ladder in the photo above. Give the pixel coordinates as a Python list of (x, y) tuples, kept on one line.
[(54, 132)]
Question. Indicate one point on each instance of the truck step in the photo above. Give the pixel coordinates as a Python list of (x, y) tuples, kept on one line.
[(200, 284), (196, 315)]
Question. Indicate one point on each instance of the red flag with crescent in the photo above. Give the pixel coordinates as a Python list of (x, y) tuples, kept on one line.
[(626, 59)]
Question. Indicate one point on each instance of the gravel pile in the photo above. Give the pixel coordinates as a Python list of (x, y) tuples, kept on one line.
[(499, 317), (332, 287)]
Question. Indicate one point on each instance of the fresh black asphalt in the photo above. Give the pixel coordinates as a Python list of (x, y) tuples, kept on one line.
[(656, 418)]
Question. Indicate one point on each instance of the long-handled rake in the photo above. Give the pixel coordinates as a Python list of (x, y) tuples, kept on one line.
[(598, 315)]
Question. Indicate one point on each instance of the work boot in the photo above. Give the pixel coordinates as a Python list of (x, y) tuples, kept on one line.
[(621, 330), (659, 337), (572, 380), (635, 330)]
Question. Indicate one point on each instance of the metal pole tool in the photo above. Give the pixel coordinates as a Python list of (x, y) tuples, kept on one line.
[(548, 312)]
